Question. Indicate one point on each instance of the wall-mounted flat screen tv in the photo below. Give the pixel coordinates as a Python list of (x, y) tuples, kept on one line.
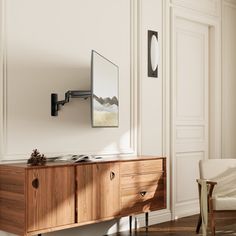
[(105, 92)]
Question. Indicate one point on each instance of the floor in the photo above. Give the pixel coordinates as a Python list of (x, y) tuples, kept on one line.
[(225, 225)]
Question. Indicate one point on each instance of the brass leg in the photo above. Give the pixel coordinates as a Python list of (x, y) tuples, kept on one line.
[(199, 224), (130, 224), (146, 220)]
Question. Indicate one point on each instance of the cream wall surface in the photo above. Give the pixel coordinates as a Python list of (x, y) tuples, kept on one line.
[(228, 78), (151, 89), (48, 49)]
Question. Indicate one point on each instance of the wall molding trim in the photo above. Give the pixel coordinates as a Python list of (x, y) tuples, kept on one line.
[(135, 21), (139, 74), (3, 80), (6, 155), (166, 135), (208, 7), (228, 72)]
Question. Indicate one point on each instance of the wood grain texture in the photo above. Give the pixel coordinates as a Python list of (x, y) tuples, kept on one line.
[(225, 226), (143, 186), (138, 190), (99, 161), (53, 202), (140, 167), (141, 207), (69, 195), (136, 197), (12, 200), (57, 228), (140, 180), (98, 196)]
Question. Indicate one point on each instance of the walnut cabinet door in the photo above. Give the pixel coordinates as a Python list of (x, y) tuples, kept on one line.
[(98, 194), (50, 197)]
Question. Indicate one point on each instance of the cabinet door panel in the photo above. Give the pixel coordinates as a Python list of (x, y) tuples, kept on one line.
[(86, 197), (98, 191), (108, 182), (51, 197)]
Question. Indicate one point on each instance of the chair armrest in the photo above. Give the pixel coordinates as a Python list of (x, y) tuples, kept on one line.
[(211, 185), (208, 182)]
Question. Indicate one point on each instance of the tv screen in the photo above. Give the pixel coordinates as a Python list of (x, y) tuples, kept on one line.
[(105, 92)]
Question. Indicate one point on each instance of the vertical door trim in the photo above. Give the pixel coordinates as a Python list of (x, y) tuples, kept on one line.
[(215, 142)]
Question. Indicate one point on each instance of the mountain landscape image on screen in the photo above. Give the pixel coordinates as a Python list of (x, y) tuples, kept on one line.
[(105, 111)]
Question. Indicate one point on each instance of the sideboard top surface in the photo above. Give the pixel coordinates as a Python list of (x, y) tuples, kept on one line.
[(96, 161)]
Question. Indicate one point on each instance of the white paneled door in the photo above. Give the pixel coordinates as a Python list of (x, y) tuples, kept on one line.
[(190, 79)]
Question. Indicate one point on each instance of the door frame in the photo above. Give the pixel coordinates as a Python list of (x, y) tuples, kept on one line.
[(215, 143)]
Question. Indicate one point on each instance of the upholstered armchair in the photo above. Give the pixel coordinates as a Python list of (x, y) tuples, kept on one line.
[(217, 190)]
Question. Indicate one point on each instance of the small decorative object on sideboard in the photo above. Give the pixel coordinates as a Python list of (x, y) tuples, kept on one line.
[(36, 158)]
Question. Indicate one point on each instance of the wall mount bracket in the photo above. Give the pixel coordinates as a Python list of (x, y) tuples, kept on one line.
[(56, 105)]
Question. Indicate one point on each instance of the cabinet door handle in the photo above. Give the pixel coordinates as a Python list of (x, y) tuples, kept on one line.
[(35, 183), (112, 175), (143, 193)]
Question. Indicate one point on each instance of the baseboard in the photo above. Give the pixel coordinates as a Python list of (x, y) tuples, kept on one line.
[(155, 217), (184, 209)]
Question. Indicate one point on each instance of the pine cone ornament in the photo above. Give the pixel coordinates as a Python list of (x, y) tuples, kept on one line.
[(36, 158)]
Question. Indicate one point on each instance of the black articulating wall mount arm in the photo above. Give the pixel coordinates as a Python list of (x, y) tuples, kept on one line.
[(56, 105)]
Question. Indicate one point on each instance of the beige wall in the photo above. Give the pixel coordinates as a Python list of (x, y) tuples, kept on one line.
[(228, 79), (46, 48), (151, 89)]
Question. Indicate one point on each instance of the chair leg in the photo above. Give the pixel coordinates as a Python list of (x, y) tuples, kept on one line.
[(199, 223), (211, 211)]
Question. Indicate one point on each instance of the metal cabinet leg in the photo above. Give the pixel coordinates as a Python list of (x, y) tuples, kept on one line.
[(146, 220), (135, 224), (130, 224)]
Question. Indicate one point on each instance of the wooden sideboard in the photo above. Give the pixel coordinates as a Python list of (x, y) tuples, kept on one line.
[(40, 199)]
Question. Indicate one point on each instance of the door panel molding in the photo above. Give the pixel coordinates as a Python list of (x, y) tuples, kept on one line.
[(211, 7), (181, 127)]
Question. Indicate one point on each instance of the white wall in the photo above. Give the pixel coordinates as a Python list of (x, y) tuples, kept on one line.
[(152, 103), (151, 89), (47, 49), (228, 79)]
